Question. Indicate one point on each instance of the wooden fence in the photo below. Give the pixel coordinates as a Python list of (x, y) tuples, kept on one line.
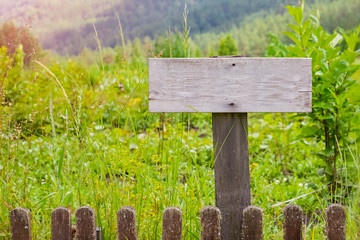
[(85, 228)]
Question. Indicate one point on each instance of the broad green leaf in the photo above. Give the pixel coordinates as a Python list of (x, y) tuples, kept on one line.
[(349, 56), (351, 40), (332, 53), (296, 13), (295, 28), (326, 117), (335, 39), (333, 94), (323, 105), (319, 73), (296, 51), (329, 152), (314, 38), (293, 37), (310, 131), (306, 24), (291, 10)]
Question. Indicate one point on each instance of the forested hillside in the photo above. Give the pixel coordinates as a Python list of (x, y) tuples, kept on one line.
[(67, 26)]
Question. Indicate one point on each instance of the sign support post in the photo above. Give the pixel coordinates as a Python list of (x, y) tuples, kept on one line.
[(232, 177)]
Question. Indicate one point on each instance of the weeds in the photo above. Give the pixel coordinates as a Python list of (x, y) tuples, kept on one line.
[(94, 143)]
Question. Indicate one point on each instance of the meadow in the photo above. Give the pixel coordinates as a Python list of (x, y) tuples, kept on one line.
[(76, 131)]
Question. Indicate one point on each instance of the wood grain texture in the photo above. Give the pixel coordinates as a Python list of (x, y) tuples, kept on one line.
[(210, 223), (230, 85), (232, 177), (85, 224), (20, 224), (172, 224), (126, 223), (61, 224), (335, 222), (293, 216), (253, 224)]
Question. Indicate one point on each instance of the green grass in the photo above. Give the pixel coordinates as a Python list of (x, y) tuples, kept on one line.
[(78, 134), (118, 154)]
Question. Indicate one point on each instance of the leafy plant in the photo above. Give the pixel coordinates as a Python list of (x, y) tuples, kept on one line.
[(330, 121)]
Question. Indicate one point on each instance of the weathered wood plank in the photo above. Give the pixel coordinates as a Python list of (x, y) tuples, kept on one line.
[(126, 223), (85, 224), (230, 85), (253, 224), (232, 177), (210, 223), (335, 222), (172, 224), (20, 220), (61, 224), (293, 216)]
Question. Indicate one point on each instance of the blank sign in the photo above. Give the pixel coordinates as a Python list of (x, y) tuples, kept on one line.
[(230, 85)]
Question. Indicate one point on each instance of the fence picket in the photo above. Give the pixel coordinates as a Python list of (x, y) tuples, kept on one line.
[(252, 223), (210, 223), (61, 224), (335, 222), (20, 224), (252, 228), (293, 215), (172, 224), (85, 224), (126, 223)]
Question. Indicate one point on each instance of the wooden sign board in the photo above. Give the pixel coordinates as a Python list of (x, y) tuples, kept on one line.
[(230, 85)]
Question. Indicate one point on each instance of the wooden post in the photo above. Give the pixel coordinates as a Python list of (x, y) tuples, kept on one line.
[(232, 178), (126, 223), (20, 224), (335, 222), (61, 224), (252, 223), (230, 87), (210, 223), (293, 216), (85, 224), (172, 224)]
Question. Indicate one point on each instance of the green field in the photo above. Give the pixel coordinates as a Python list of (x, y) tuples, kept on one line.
[(76, 131)]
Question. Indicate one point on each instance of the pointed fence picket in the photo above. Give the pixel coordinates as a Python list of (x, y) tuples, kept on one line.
[(210, 217)]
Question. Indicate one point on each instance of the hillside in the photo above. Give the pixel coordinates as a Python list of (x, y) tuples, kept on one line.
[(67, 26)]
